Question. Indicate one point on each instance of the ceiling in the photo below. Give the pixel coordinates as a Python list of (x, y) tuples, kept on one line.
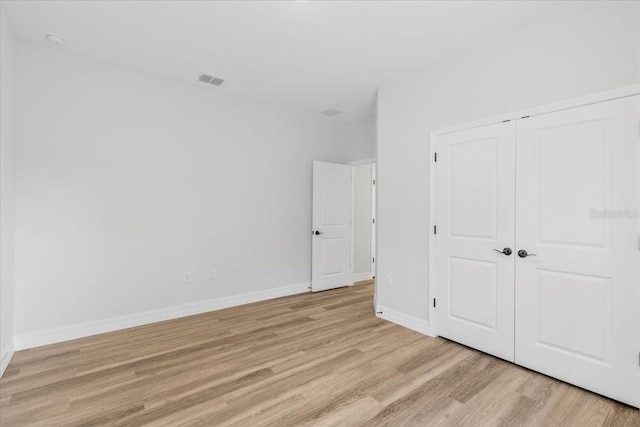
[(304, 55)]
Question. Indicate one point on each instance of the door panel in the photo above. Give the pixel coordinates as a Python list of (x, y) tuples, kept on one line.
[(331, 248), (472, 292), (332, 255), (572, 188), (577, 300), (473, 175), (588, 333), (475, 215)]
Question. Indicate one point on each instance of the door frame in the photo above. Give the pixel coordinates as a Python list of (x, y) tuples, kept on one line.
[(373, 222), (364, 162), (609, 95)]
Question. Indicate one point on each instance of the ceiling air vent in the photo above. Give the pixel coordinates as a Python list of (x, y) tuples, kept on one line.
[(205, 78), (331, 112)]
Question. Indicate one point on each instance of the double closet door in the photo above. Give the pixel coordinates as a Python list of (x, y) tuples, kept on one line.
[(538, 244)]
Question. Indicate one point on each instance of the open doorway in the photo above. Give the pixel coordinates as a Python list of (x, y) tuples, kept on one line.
[(364, 220)]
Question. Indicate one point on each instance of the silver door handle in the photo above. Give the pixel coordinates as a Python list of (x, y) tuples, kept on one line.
[(505, 251), (523, 254)]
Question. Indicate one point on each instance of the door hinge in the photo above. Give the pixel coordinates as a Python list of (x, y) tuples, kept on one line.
[(434, 303), (525, 117), (374, 182), (435, 157), (373, 259), (435, 229), (374, 220)]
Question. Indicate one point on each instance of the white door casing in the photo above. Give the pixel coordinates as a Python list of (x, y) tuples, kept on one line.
[(577, 301), (363, 217), (475, 216), (331, 234), (373, 220)]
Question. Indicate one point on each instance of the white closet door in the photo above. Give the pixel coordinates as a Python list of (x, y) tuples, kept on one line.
[(475, 216), (578, 298)]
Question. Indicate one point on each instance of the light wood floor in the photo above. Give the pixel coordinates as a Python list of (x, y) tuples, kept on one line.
[(314, 359)]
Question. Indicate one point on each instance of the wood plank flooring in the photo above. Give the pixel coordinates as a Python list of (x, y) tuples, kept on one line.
[(311, 359)]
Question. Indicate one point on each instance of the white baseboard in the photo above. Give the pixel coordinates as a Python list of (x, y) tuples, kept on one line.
[(405, 320), (362, 276), (5, 358), (65, 333)]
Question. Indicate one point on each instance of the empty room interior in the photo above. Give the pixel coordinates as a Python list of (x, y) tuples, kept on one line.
[(345, 213)]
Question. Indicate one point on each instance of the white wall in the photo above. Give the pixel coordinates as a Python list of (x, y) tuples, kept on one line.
[(7, 189), (592, 47), (363, 216), (126, 180), (360, 138)]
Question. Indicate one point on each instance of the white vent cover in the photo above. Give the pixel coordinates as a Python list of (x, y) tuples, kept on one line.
[(331, 112), (205, 78)]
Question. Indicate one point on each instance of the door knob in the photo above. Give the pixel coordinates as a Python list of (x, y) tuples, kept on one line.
[(505, 251), (523, 254), (317, 233)]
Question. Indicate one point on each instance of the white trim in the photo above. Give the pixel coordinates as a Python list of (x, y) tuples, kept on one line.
[(362, 276), (595, 98), (65, 333), (357, 277), (353, 225), (433, 187), (373, 236), (368, 161), (5, 358), (609, 95), (405, 320)]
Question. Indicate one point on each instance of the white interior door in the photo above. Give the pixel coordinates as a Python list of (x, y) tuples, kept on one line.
[(578, 298), (475, 218), (331, 247)]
